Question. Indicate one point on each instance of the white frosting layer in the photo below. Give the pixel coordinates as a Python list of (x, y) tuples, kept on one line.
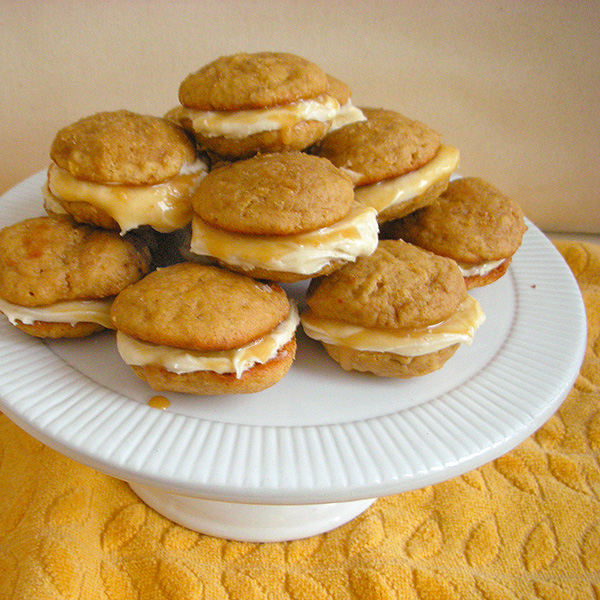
[(165, 206), (469, 270), (72, 312), (348, 113), (398, 190), (51, 202), (305, 253), (139, 353), (236, 125), (459, 328)]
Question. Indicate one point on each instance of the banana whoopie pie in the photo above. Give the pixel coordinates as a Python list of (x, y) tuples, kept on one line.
[(397, 164), (58, 277), (283, 216), (242, 104), (121, 170), (473, 223), (400, 312), (204, 330)]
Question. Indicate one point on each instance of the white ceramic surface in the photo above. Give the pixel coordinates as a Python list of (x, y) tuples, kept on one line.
[(251, 522), (320, 435)]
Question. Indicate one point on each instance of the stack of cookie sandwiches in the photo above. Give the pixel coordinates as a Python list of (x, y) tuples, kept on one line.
[(183, 233)]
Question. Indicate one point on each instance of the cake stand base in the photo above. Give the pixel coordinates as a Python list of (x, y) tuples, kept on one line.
[(251, 522)]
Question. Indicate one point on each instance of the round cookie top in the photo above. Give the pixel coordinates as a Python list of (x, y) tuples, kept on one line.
[(471, 222), (52, 259), (199, 307), (122, 147), (339, 90), (386, 145), (399, 286), (274, 194), (247, 81)]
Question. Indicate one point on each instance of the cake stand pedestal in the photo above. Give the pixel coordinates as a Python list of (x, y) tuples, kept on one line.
[(251, 522)]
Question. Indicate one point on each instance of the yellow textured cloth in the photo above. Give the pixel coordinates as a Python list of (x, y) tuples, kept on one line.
[(526, 525)]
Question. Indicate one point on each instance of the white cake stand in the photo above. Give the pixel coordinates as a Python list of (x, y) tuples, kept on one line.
[(316, 449)]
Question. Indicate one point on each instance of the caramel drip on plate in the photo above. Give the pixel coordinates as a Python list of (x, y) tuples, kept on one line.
[(159, 402)]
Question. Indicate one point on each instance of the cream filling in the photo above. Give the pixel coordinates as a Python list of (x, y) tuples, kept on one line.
[(402, 189), (139, 353), (483, 268), (71, 311), (237, 125), (164, 206), (459, 328), (304, 253), (348, 113), (51, 202)]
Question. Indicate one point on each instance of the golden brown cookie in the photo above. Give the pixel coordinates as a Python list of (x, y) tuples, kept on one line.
[(387, 364), (210, 383), (400, 312), (340, 90), (386, 145), (399, 287), (54, 331), (170, 308), (205, 330), (296, 136), (274, 194), (398, 164), (57, 277), (121, 147), (121, 170), (244, 81), (473, 223), (281, 216), (243, 104)]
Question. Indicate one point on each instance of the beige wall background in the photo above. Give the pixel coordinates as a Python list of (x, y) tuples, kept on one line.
[(514, 85)]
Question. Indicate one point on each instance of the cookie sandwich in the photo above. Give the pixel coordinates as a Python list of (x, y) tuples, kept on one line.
[(397, 164), (121, 170), (58, 278), (203, 330), (283, 216), (242, 104), (473, 223), (401, 312)]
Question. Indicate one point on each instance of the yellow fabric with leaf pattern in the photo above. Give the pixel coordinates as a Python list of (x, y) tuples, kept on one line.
[(525, 526)]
